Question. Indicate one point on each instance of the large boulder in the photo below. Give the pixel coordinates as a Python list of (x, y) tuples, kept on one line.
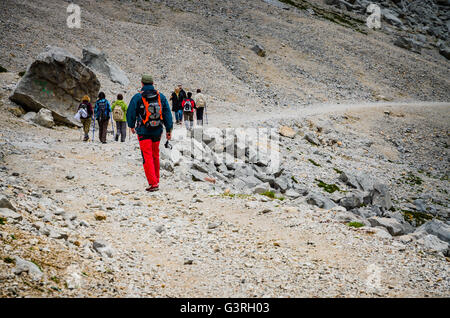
[(98, 60), (57, 81), (438, 228), (394, 226)]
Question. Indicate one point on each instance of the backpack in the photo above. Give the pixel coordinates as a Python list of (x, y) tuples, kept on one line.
[(151, 109), (201, 101), (187, 106), (102, 110), (83, 111), (118, 113)]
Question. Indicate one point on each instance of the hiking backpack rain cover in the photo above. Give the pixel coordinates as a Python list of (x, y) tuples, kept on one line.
[(151, 110), (187, 106), (118, 113), (102, 110)]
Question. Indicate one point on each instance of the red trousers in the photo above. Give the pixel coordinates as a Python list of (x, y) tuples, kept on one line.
[(150, 155)]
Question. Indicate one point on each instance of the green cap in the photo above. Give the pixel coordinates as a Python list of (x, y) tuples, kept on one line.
[(147, 79)]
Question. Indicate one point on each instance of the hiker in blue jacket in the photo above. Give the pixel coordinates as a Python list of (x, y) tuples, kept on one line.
[(102, 113), (147, 112)]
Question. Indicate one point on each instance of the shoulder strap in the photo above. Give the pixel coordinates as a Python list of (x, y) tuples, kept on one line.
[(146, 104)]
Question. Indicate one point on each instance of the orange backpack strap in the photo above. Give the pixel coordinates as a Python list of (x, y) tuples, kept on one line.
[(146, 104)]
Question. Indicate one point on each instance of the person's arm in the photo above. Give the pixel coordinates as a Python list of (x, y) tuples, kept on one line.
[(131, 113), (90, 110), (167, 116)]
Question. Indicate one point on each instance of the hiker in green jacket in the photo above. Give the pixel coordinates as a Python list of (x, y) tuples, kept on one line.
[(119, 111)]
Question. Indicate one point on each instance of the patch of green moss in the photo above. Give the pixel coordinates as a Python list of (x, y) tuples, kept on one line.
[(413, 179), (2, 221), (355, 224), (330, 188), (269, 194), (314, 163), (9, 260), (13, 237), (337, 170), (55, 279), (419, 217)]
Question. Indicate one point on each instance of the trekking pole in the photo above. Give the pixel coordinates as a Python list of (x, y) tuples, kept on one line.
[(206, 115), (93, 129)]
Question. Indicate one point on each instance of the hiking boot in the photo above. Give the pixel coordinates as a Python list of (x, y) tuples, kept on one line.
[(152, 189)]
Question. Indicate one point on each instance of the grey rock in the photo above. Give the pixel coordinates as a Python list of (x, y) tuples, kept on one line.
[(56, 80), (98, 60), (312, 138), (438, 228), (44, 118), (292, 194), (445, 52), (29, 116), (160, 228), (258, 49), (320, 200), (10, 215), (380, 196), (352, 200), (281, 183), (408, 44), (23, 266), (250, 181), (261, 188), (5, 203), (198, 176), (393, 226), (435, 244), (103, 248), (213, 225)]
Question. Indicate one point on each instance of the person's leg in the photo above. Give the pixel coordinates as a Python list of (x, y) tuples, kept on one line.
[(104, 129), (116, 135), (100, 130), (200, 116), (191, 120), (155, 152), (123, 129), (186, 119), (179, 114), (147, 157)]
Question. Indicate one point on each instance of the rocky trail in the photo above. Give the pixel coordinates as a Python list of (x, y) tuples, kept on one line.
[(93, 231)]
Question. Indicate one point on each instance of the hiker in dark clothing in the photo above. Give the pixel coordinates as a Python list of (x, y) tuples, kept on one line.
[(147, 112), (102, 112), (86, 115), (177, 98)]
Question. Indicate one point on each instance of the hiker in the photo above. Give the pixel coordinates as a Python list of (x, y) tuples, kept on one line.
[(178, 95), (102, 110), (188, 105), (86, 112), (147, 112), (119, 111), (200, 104)]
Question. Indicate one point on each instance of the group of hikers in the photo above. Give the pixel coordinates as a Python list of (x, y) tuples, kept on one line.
[(145, 115)]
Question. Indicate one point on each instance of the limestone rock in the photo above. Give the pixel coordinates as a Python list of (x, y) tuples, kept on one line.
[(56, 80)]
